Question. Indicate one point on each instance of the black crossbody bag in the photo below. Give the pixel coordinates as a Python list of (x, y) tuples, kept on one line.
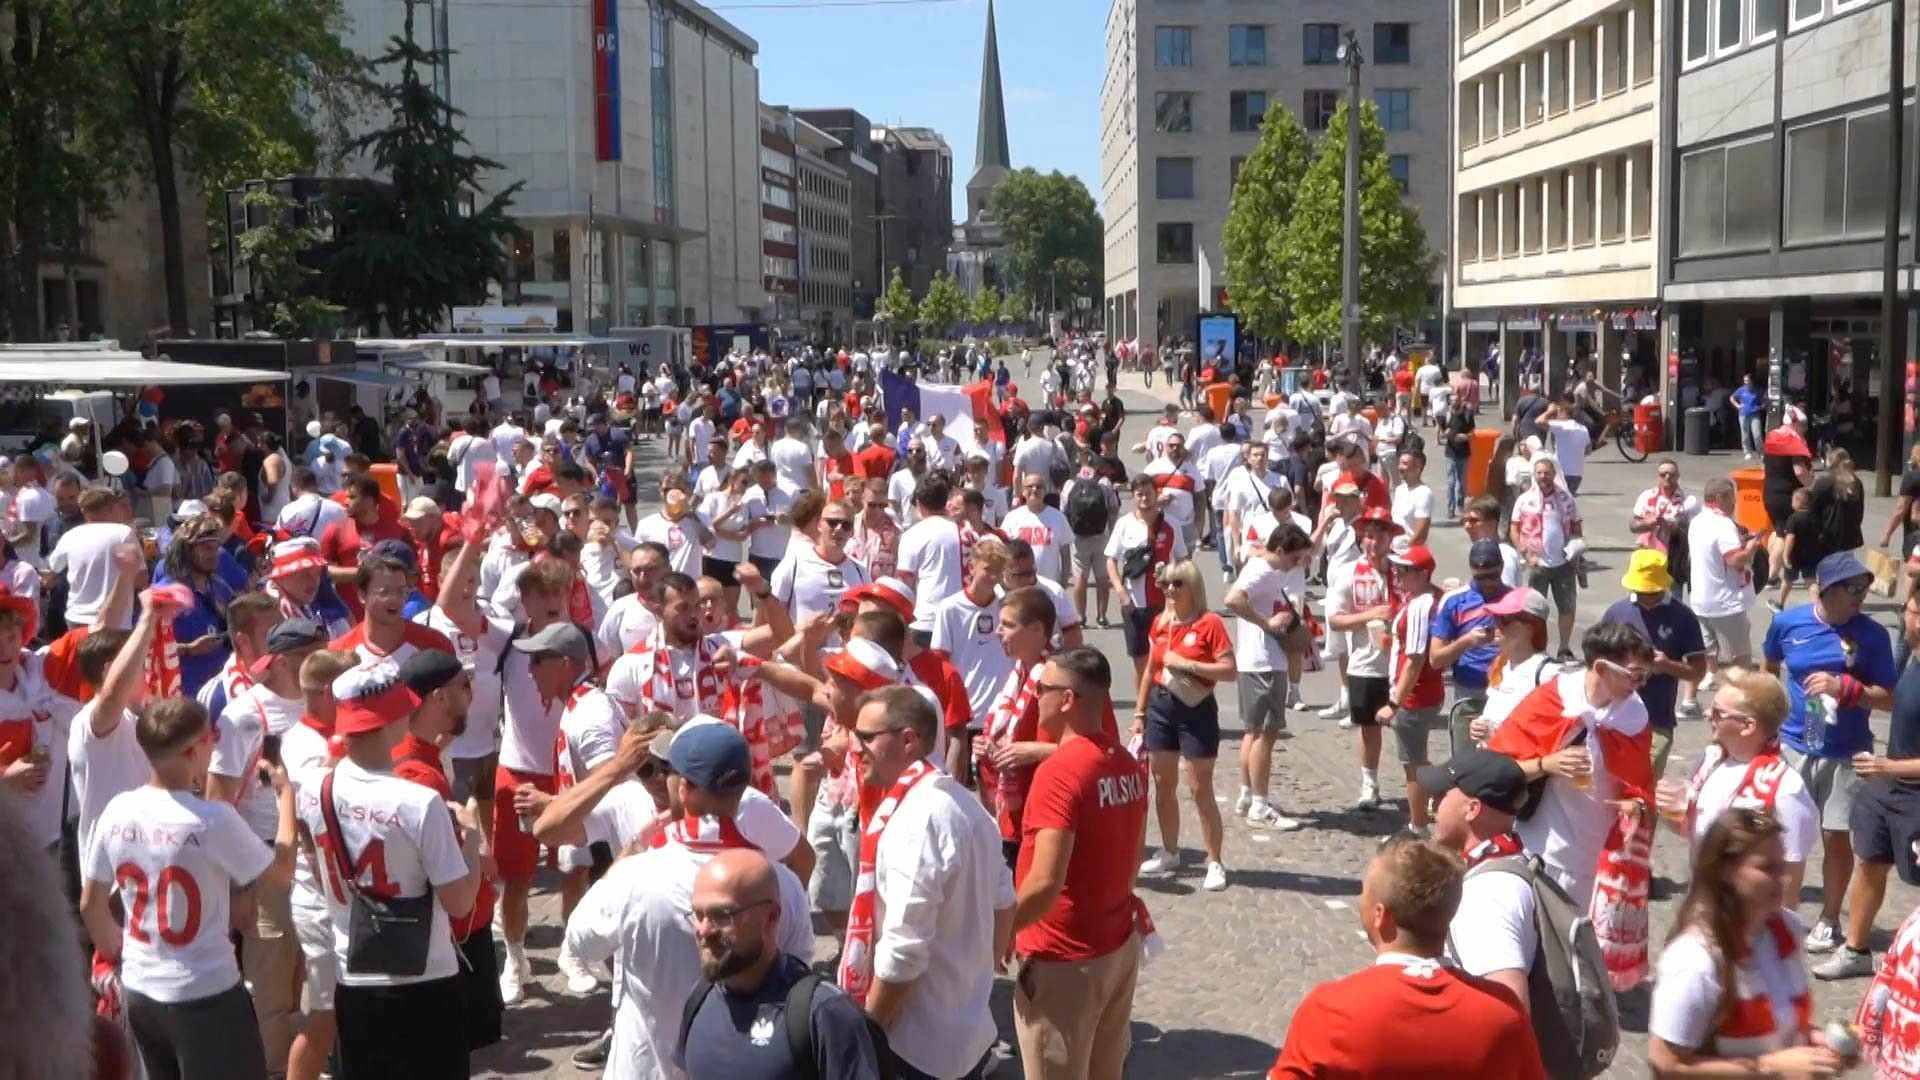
[(384, 937)]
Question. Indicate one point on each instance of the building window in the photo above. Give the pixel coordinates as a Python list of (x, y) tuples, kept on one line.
[(1719, 216), (1246, 109), (775, 195), (1173, 242), (1173, 112), (561, 262), (1836, 178), (1392, 43), (1173, 46), (1247, 46), (1401, 166), (658, 29), (1696, 31), (1805, 11), (779, 162), (1396, 109), (1322, 43), (1173, 178), (1316, 108)]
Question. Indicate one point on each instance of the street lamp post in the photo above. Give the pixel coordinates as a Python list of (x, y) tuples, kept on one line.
[(1892, 436), (1350, 269)]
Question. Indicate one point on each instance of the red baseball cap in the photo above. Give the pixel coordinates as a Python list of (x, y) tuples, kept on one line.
[(1416, 556), (890, 591), (370, 698), (1378, 516)]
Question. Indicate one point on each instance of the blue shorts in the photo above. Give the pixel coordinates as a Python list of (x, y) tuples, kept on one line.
[(1173, 725)]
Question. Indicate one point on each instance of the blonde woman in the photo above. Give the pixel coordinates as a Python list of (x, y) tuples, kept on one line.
[(1839, 503), (1178, 716)]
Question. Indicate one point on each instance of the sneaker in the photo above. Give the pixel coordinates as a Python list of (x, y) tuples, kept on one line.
[(1265, 816), (1161, 862), (1687, 710), (1336, 710), (1823, 938), (1294, 701), (511, 987), (1773, 606), (1845, 963), (1565, 656), (1243, 803), (1369, 795), (594, 1054), (1706, 684), (1216, 880), (580, 980)]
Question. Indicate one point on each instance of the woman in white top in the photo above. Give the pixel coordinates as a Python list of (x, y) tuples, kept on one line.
[(1520, 617), (275, 471), (1732, 996)]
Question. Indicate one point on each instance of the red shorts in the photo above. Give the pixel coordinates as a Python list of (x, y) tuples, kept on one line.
[(514, 848)]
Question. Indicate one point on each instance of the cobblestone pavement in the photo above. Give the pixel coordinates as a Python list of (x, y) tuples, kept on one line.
[(1216, 1004)]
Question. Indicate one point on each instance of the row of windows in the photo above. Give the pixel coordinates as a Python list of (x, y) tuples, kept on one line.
[(780, 267), (816, 220), (1606, 200), (826, 187), (1173, 177), (1319, 44), (821, 257), (776, 160), (1173, 109), (775, 195), (1716, 28), (825, 294), (779, 231)]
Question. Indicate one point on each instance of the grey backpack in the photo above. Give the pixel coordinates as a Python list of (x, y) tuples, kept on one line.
[(1569, 994)]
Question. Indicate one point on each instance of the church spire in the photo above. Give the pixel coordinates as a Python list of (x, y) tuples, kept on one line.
[(991, 151)]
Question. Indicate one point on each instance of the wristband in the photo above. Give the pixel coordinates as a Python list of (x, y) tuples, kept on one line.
[(1851, 690)]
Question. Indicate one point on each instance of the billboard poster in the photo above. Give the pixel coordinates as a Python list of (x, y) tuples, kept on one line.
[(1218, 336), (606, 80)]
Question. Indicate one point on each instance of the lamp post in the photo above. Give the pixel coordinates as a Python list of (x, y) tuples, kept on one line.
[(1890, 444), (1349, 55)]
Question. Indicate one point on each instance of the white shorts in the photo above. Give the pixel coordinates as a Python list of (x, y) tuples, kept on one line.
[(1727, 636), (314, 927), (834, 834)]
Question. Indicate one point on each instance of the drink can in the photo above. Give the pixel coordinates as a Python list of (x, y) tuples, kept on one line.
[(526, 821), (1843, 1039)]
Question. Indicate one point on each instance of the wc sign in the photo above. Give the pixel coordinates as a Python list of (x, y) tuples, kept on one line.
[(606, 80)]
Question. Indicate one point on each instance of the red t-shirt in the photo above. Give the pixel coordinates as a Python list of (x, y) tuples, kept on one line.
[(836, 468), (1373, 490), (1205, 639), (344, 543), (433, 552), (1095, 790), (873, 462), (538, 479), (61, 666), (938, 674), (1409, 1022), (417, 761), (1403, 381)]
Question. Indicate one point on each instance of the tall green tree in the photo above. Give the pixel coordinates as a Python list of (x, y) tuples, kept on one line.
[(60, 159), (942, 306), (210, 88), (985, 306), (1263, 203), (409, 249), (1052, 227), (1396, 265), (897, 302), (284, 297), (1017, 307)]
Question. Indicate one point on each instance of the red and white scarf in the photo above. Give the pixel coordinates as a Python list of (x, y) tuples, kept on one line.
[(708, 835), (563, 777), (163, 653), (856, 959), (1003, 724), (1889, 1016), (1758, 788), (737, 700), (1507, 843), (1750, 1027)]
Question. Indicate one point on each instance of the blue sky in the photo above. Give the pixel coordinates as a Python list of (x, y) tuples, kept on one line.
[(918, 65)]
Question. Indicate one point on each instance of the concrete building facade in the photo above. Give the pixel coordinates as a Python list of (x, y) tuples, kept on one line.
[(1558, 198), (856, 156), (914, 225), (635, 126), (1186, 88), (780, 219), (113, 282), (826, 236), (1779, 165)]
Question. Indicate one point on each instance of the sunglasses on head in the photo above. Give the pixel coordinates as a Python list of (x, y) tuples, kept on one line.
[(653, 767)]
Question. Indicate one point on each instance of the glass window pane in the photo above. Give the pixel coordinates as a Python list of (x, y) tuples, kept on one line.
[(1703, 196), (1392, 43), (1752, 203), (1867, 174), (1322, 43), (1816, 181), (1731, 16), (1766, 17), (1173, 46), (1806, 9), (1697, 29), (1173, 112), (1401, 166), (1173, 178), (1173, 242)]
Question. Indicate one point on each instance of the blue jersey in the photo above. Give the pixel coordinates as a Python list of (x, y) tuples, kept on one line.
[(1675, 631), (1804, 645), (1463, 611)]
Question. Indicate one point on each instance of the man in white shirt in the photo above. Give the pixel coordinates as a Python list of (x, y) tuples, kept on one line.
[(936, 900), (966, 627), (676, 526), (1494, 933), (505, 436), (1241, 493), (85, 553), (1036, 454), (769, 515), (1267, 599), (943, 451), (101, 748), (1042, 526), (637, 915), (631, 619), (1178, 483), (930, 558), (1571, 440), (1722, 589), (308, 513), (793, 459), (1413, 499), (700, 435)]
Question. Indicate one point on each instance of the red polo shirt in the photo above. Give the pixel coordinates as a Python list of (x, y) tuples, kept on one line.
[(1095, 790), (345, 543)]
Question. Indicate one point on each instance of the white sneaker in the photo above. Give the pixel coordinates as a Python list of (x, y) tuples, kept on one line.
[(1293, 697), (1216, 880), (1161, 862), (1823, 938), (580, 980), (1336, 710), (1243, 802), (1369, 794), (511, 987), (1265, 816)]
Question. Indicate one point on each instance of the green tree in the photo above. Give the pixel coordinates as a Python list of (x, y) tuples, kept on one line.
[(1263, 202), (284, 300), (409, 248), (896, 304), (1052, 227), (212, 88), (1396, 265), (942, 306), (1017, 307), (60, 159), (985, 306)]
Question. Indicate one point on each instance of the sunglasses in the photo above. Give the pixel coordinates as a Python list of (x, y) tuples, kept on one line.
[(868, 738), (1858, 586), (1638, 675), (1715, 714), (837, 523)]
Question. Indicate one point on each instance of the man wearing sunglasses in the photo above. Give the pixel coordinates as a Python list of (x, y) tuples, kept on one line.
[(1679, 650), (1838, 666)]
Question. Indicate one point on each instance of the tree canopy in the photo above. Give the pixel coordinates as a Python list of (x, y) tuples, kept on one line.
[(1052, 227), (1263, 203)]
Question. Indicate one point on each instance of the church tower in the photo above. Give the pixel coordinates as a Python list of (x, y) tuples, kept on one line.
[(991, 162)]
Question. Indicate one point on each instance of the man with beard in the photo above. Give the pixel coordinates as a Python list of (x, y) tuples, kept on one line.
[(749, 985)]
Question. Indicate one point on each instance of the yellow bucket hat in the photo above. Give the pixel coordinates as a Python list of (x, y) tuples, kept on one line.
[(1647, 572)]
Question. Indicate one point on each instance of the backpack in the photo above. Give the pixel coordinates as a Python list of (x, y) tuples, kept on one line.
[(1569, 994), (1086, 508), (799, 1025)]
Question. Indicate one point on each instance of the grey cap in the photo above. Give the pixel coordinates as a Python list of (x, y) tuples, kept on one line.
[(560, 639)]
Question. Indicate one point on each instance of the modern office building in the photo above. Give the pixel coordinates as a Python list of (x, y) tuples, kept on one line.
[(856, 157), (1779, 158), (1186, 88), (1558, 199), (823, 211), (915, 221), (780, 220), (635, 128)]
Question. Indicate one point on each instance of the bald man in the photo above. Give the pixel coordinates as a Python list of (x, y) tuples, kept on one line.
[(748, 985)]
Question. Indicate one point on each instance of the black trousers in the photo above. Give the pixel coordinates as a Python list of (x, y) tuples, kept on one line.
[(215, 1036), (411, 1032)]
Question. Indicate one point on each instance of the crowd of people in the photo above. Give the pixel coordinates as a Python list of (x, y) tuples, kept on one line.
[(301, 756)]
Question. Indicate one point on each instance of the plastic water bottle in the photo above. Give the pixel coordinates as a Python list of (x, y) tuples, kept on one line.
[(1819, 714)]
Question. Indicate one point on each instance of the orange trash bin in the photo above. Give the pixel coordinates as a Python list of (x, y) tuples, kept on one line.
[(388, 476), (1749, 503), (1648, 432), (1484, 440)]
